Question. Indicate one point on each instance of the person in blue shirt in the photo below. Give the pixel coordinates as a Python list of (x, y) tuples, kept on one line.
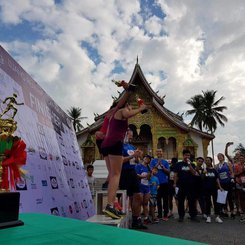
[(154, 185), (143, 173), (129, 180), (226, 179), (162, 193)]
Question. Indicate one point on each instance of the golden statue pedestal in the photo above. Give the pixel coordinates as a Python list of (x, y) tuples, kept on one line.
[(9, 201)]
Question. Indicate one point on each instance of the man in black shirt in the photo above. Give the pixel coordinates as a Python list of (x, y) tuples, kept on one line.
[(184, 180)]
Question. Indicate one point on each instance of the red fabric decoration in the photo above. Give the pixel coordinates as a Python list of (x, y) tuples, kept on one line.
[(14, 158)]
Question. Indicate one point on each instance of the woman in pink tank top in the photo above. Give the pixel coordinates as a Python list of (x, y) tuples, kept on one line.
[(100, 135), (113, 145)]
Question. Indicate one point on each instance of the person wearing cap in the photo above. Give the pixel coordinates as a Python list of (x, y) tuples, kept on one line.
[(162, 192)]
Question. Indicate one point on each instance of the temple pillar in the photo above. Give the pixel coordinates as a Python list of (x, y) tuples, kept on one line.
[(205, 144), (180, 145)]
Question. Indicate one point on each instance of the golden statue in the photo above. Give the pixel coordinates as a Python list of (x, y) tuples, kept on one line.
[(11, 105), (12, 148)]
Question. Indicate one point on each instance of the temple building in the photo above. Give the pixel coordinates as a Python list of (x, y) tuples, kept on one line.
[(158, 128)]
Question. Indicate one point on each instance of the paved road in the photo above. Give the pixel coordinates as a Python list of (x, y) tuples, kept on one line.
[(230, 232)]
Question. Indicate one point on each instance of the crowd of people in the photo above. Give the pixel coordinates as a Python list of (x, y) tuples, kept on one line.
[(154, 185)]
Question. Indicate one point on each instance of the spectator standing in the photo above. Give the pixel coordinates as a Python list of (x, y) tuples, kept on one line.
[(185, 179), (210, 182), (240, 184), (154, 186), (91, 179), (143, 173), (236, 166), (200, 167), (162, 192), (129, 180), (171, 189), (226, 178)]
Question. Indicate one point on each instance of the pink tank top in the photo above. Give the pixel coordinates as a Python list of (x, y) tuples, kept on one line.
[(115, 132)]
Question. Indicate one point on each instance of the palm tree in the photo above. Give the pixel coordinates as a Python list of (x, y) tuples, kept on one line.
[(212, 111), (75, 114), (207, 112), (197, 103)]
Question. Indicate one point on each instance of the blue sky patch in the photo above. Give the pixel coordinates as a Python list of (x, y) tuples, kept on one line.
[(118, 68), (92, 52), (150, 8), (25, 32)]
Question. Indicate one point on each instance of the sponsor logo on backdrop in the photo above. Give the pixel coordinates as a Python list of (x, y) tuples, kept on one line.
[(72, 183), (77, 166), (33, 184), (42, 153), (61, 182), (21, 185), (70, 209), (84, 204), (53, 182), (64, 160), (63, 213), (82, 184), (76, 207), (44, 183), (55, 211), (39, 200)]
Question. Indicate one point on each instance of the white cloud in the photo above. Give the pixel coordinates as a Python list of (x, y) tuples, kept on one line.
[(203, 49), (154, 25)]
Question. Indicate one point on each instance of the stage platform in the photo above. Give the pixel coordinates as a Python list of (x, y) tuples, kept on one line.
[(104, 220), (46, 229)]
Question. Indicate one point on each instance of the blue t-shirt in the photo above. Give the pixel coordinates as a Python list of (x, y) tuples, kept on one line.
[(154, 183), (224, 173), (142, 169), (128, 150), (161, 175)]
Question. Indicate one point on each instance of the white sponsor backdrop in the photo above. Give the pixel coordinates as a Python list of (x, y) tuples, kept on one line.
[(56, 182)]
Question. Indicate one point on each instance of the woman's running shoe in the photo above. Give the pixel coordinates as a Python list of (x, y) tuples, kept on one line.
[(111, 212)]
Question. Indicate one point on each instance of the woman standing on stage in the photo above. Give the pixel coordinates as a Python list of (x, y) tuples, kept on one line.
[(113, 146)]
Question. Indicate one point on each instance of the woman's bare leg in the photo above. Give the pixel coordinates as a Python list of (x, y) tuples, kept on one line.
[(146, 199), (107, 162), (115, 166)]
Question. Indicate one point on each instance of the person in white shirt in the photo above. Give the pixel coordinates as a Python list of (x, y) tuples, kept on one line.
[(91, 179)]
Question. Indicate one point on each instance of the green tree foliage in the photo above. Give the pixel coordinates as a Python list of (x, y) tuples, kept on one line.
[(75, 114), (240, 148), (207, 111)]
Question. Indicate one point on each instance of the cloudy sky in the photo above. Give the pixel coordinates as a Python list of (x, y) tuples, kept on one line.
[(73, 48)]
